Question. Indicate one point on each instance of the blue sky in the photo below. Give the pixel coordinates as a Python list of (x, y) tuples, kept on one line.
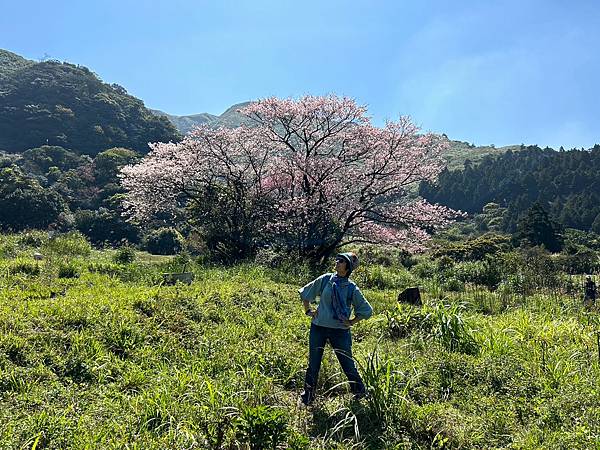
[(501, 72)]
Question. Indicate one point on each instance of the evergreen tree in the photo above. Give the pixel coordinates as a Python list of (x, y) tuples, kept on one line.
[(25, 204), (537, 228)]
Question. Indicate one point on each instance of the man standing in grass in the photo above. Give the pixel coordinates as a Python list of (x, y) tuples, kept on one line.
[(331, 322)]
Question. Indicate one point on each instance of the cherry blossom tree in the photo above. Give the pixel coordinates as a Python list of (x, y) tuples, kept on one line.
[(217, 176), (308, 175), (341, 180)]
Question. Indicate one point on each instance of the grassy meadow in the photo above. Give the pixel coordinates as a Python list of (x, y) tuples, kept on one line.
[(95, 352)]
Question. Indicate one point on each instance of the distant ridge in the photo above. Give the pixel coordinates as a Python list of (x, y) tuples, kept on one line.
[(229, 119), (185, 124), (458, 153)]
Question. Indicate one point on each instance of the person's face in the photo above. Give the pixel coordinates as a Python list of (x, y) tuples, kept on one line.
[(340, 267)]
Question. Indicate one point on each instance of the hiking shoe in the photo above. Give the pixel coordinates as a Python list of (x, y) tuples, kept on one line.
[(306, 398)]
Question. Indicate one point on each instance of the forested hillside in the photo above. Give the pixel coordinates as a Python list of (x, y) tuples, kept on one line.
[(64, 104), (567, 183), (50, 187)]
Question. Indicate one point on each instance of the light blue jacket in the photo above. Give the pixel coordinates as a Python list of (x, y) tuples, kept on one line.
[(325, 317)]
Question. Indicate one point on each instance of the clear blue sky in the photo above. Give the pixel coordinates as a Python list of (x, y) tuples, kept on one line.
[(501, 72)]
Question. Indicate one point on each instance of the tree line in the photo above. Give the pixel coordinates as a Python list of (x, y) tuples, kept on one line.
[(565, 183)]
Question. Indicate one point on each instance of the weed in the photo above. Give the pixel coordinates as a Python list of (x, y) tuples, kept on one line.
[(386, 387), (261, 427), (450, 329), (24, 266), (109, 359)]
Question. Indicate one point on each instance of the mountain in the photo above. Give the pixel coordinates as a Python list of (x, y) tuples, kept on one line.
[(58, 103), (185, 124), (10, 63), (229, 119)]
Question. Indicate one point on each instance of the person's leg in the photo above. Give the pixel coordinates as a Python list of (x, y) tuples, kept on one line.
[(341, 341), (316, 345)]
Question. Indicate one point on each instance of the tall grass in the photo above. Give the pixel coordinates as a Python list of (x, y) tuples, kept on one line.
[(111, 358)]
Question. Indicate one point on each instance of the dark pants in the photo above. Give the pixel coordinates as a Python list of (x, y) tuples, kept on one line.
[(341, 341)]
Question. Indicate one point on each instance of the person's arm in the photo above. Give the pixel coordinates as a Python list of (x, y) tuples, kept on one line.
[(309, 293)]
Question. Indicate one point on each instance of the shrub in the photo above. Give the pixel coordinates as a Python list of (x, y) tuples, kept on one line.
[(69, 244), (124, 255), (24, 203), (453, 285), (385, 256), (104, 268), (297, 441), (196, 245), (533, 267), (425, 268), (578, 240), (444, 263), (584, 261), (8, 246), (105, 225), (483, 273), (380, 277), (164, 241), (270, 257), (475, 249), (32, 238), (67, 270)]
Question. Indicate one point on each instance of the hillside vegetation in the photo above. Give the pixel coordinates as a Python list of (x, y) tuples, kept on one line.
[(67, 105), (567, 183), (459, 152)]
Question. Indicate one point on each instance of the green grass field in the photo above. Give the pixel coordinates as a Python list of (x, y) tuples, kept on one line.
[(98, 354)]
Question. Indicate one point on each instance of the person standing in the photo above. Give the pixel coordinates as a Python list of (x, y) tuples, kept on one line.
[(331, 322)]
